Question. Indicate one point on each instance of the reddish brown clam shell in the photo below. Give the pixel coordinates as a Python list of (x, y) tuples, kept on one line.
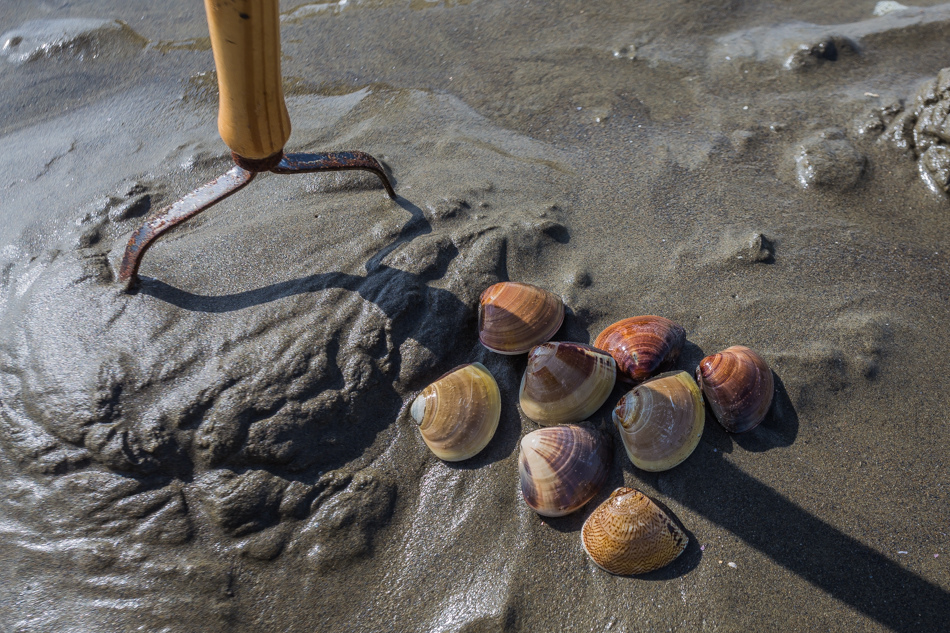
[(738, 384), (514, 317), (642, 345)]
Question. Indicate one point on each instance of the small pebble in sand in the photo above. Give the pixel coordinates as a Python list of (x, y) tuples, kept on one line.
[(731, 564), (627, 52)]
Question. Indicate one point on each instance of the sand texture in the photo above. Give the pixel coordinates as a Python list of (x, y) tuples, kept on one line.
[(229, 447)]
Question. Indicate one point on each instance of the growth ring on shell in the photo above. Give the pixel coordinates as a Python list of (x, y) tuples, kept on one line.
[(629, 534), (661, 420), (514, 317), (565, 382), (562, 468), (642, 345), (458, 413), (739, 386)]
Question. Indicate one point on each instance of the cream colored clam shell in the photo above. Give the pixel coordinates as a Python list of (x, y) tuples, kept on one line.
[(661, 420), (565, 383), (458, 413)]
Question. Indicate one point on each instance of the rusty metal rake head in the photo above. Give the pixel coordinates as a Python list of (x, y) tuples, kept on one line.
[(230, 182), (252, 120)]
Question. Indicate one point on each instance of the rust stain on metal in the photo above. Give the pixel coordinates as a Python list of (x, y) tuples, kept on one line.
[(173, 215), (334, 161)]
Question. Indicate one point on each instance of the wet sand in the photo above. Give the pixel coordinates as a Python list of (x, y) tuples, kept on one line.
[(229, 448)]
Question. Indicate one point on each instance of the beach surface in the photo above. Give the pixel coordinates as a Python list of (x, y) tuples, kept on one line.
[(229, 447)]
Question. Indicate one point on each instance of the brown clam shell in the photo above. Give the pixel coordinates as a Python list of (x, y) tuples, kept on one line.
[(738, 384), (642, 345), (629, 534), (661, 421), (565, 382), (514, 317), (458, 413), (562, 468)]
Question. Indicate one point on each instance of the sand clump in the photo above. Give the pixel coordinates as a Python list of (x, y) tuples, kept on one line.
[(69, 39)]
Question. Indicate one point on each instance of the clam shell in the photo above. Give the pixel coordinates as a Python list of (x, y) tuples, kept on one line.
[(629, 534), (565, 382), (642, 345), (738, 384), (458, 413), (661, 420), (514, 317), (562, 468)]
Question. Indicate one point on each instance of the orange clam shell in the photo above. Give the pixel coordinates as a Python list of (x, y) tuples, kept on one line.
[(514, 317), (629, 534), (642, 345), (739, 387)]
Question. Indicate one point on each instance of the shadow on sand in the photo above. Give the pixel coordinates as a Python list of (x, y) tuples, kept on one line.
[(707, 484)]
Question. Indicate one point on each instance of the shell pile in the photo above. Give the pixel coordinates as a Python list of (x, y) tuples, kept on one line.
[(563, 465)]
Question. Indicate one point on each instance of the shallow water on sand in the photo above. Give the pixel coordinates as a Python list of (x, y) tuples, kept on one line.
[(229, 448)]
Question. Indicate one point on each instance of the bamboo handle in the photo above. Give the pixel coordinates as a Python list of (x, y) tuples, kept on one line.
[(245, 38)]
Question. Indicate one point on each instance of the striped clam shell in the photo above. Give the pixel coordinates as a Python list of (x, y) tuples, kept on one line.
[(738, 384), (661, 420), (629, 534), (565, 382), (514, 317), (642, 345), (458, 413), (562, 468)]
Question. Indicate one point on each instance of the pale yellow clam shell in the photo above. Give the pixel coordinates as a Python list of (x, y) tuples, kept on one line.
[(458, 413), (565, 382), (629, 534), (661, 420)]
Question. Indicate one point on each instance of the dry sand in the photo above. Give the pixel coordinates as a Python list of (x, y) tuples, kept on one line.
[(229, 449)]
